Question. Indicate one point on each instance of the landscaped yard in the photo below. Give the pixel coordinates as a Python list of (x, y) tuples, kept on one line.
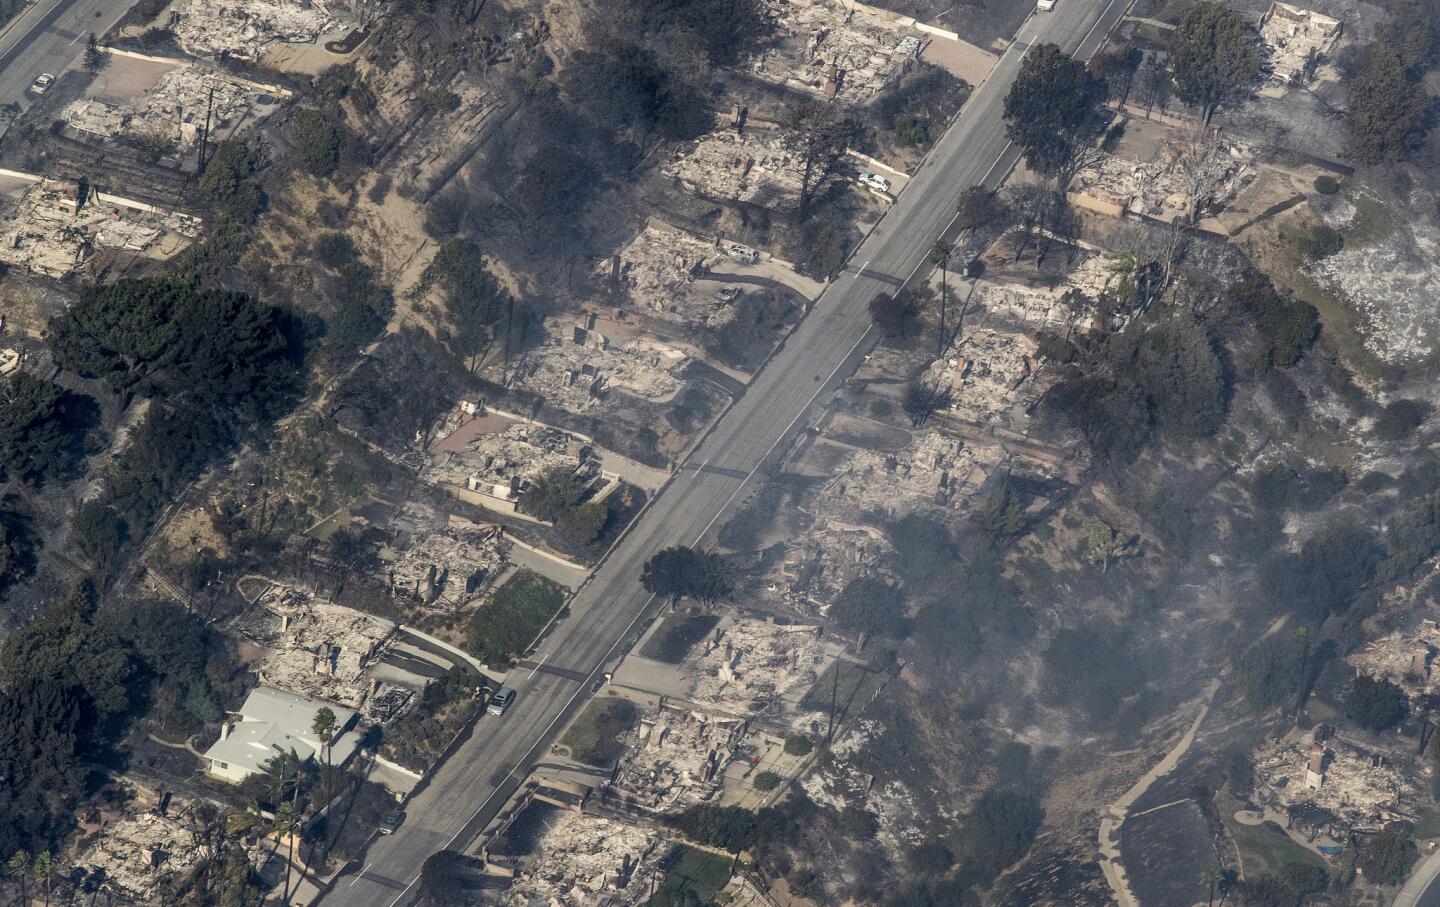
[(1263, 848), (504, 628), (594, 738), (697, 871)]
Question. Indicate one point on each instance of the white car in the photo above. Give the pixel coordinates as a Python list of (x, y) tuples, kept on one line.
[(42, 83), (875, 181), (1045, 5)]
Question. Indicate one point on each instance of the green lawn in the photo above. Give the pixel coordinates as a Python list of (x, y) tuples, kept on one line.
[(678, 633), (1263, 848), (697, 871), (512, 618), (1427, 824), (594, 738)]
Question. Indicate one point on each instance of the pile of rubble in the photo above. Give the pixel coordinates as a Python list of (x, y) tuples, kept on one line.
[(470, 456), (58, 223), (585, 860), (579, 366), (1405, 659), (447, 568), (678, 761), (985, 374), (175, 108), (752, 667), (1360, 786), (842, 53), (933, 472), (1298, 40), (744, 167), (661, 270), (1165, 188), (839, 784), (138, 852), (1045, 307), (824, 561), (315, 649), (245, 28)]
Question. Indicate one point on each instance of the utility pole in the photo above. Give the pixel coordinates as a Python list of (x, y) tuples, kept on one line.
[(205, 132), (834, 695)]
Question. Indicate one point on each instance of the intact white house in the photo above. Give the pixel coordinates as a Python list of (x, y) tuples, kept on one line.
[(271, 723)]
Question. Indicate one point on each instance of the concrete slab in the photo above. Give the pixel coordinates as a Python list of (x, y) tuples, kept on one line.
[(962, 60)]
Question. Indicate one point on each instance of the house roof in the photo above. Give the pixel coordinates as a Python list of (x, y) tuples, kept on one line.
[(274, 722), (295, 714)]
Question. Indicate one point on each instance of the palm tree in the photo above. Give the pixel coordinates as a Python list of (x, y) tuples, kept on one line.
[(19, 869), (286, 823), (1211, 877), (324, 728), (94, 882), (44, 869), (940, 257)]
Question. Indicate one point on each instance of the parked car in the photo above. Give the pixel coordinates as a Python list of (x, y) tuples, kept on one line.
[(1045, 5), (502, 700), (393, 820), (875, 181), (742, 253), (42, 83)]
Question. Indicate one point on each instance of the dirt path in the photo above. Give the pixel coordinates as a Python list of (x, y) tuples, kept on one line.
[(1110, 861)]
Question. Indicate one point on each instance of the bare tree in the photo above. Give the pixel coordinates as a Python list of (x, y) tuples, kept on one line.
[(923, 398), (817, 134), (1201, 161), (1154, 86), (940, 257)]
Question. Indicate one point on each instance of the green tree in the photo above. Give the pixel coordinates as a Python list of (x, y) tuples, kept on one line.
[(1375, 704), (584, 524), (1052, 108), (1287, 328), (44, 872), (684, 572), (480, 312), (766, 781), (1399, 419), (554, 493), (1389, 110), (99, 533), (870, 606), (731, 828), (999, 831), (1386, 857), (96, 58), (895, 316), (34, 443), (1410, 31), (1003, 514), (18, 867), (1268, 672), (319, 137), (221, 351), (1216, 58), (1102, 543)]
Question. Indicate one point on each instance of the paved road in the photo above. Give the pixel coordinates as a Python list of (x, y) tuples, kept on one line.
[(471, 786), (48, 37), (1422, 888)]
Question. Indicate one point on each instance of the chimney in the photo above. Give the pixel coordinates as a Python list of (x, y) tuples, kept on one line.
[(225, 730)]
